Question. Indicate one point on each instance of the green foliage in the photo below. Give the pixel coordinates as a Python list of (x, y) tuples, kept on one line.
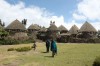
[(11, 49), (8, 42), (13, 41), (3, 32), (22, 49), (96, 62)]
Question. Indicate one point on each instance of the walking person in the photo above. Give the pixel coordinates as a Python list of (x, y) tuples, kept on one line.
[(47, 45), (34, 45), (53, 47)]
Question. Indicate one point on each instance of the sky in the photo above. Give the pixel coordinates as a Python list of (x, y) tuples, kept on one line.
[(63, 12)]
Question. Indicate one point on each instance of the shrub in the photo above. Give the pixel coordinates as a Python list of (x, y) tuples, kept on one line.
[(11, 49), (13, 41), (22, 49), (96, 62)]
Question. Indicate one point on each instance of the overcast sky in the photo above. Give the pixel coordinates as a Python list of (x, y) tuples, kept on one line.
[(63, 12)]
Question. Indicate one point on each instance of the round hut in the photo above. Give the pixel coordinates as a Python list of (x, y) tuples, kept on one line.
[(63, 36), (17, 30), (33, 31), (42, 33), (62, 29), (87, 30), (33, 28), (52, 31), (15, 26), (74, 31)]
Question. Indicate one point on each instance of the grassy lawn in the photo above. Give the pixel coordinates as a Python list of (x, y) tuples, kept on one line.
[(68, 55)]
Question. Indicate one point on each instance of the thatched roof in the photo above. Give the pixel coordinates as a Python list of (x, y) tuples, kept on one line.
[(34, 27), (87, 27), (43, 29), (74, 29), (53, 28), (62, 28), (16, 24), (65, 34)]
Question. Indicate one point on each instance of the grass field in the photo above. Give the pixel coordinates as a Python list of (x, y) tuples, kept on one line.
[(68, 55)]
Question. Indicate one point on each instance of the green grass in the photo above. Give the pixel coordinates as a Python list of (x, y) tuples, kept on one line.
[(68, 55)]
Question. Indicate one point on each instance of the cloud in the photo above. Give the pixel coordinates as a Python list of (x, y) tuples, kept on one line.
[(34, 14), (37, 15), (88, 10)]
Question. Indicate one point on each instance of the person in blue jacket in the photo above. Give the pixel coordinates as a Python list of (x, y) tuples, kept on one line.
[(47, 45), (53, 47)]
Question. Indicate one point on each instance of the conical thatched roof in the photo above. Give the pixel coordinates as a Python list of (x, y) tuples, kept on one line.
[(74, 29), (52, 28), (16, 24), (87, 27), (62, 28), (43, 29), (34, 27)]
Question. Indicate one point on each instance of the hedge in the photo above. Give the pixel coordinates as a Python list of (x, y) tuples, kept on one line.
[(96, 62)]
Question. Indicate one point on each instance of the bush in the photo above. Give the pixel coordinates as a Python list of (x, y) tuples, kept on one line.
[(13, 41), (22, 49), (96, 62), (11, 49)]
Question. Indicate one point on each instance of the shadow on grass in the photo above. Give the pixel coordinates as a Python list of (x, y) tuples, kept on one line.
[(48, 56), (44, 52)]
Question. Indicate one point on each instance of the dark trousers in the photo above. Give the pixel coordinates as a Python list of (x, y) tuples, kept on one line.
[(34, 48), (47, 49), (54, 52)]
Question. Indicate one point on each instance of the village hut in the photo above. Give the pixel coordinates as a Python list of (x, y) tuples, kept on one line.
[(63, 35), (42, 33), (33, 31), (52, 31), (17, 30), (33, 28), (87, 31), (62, 29), (74, 31), (15, 26)]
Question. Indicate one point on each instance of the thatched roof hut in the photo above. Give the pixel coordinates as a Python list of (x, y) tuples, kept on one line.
[(62, 28), (53, 28), (15, 25), (74, 29), (43, 29), (87, 27), (34, 27)]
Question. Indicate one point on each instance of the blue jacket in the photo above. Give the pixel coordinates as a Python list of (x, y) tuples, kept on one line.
[(53, 46)]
